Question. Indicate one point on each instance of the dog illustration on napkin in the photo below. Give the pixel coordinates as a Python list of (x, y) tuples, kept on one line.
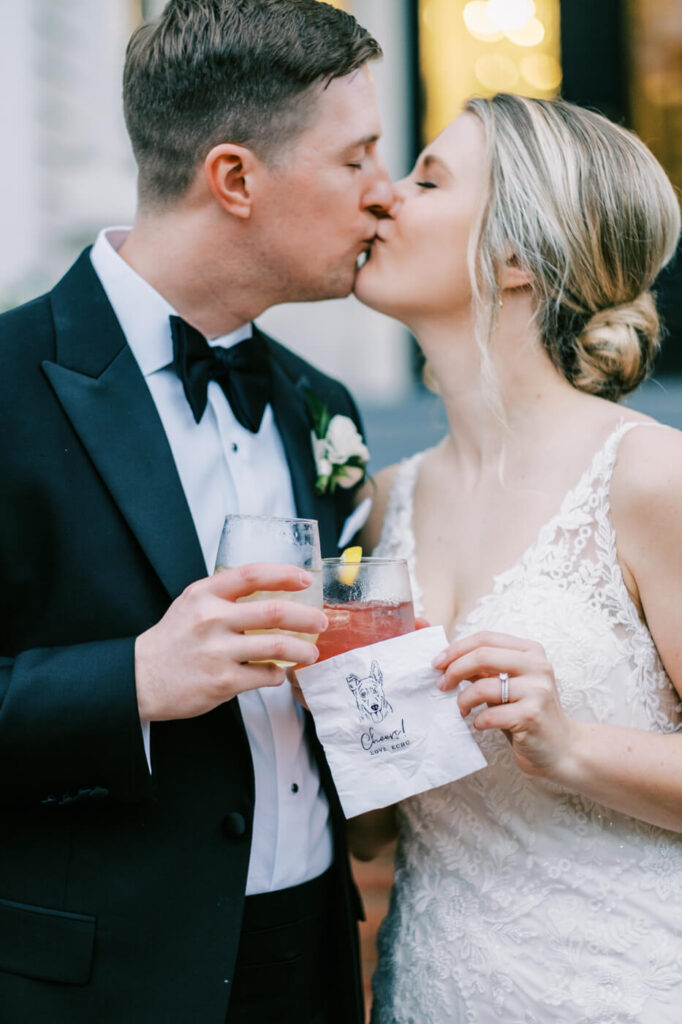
[(370, 698)]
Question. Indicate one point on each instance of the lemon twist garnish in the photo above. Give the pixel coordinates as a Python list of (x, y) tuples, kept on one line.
[(348, 571)]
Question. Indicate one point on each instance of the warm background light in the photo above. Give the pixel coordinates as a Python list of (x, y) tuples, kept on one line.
[(542, 71), (479, 23), (656, 79), (496, 72), (483, 47), (511, 15), (532, 33)]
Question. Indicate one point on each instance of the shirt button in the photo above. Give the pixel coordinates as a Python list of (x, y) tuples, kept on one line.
[(234, 825), (235, 446), (294, 787)]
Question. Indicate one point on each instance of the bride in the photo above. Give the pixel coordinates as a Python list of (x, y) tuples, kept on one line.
[(545, 533)]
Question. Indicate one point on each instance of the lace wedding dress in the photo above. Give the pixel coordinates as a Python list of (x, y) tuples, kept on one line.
[(515, 900)]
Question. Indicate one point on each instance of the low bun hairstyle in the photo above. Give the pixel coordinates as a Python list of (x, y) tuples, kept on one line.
[(616, 349), (588, 211)]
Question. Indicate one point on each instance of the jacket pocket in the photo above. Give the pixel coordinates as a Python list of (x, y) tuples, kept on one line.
[(52, 945)]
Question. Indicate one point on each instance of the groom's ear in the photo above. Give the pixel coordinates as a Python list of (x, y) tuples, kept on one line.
[(230, 171)]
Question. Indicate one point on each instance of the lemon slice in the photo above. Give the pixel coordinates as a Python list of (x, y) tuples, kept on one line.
[(348, 571)]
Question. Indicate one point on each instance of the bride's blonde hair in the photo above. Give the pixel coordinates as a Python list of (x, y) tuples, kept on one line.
[(585, 208)]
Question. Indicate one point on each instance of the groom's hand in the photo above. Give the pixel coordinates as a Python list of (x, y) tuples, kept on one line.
[(197, 656)]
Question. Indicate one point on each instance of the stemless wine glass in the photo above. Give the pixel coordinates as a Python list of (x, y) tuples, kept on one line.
[(246, 538), (365, 602)]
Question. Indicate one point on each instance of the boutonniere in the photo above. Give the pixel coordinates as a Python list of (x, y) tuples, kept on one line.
[(341, 456)]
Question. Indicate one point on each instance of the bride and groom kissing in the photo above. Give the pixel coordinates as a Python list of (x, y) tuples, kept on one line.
[(173, 848)]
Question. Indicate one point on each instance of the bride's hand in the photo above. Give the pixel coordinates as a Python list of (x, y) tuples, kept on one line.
[(536, 725)]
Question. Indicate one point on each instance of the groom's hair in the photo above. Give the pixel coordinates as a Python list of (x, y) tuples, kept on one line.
[(212, 71)]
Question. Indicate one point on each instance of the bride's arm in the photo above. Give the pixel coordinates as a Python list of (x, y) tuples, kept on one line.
[(369, 833), (632, 771), (637, 772), (646, 509)]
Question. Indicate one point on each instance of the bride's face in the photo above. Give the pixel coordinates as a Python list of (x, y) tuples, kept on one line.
[(418, 265)]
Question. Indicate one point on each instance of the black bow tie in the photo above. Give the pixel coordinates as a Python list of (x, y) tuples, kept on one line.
[(242, 371)]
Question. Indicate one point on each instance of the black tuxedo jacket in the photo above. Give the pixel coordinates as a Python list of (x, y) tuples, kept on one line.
[(120, 893)]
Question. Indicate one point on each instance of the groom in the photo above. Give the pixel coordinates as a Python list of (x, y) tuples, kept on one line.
[(171, 847)]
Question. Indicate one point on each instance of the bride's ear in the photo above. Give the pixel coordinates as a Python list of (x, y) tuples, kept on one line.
[(511, 275)]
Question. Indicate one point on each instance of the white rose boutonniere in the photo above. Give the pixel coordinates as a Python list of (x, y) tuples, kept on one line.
[(341, 456)]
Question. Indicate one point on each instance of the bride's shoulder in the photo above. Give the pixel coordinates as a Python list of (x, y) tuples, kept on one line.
[(646, 486), (645, 502), (649, 459)]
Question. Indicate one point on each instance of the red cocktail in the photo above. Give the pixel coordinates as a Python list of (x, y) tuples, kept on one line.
[(364, 602), (361, 623)]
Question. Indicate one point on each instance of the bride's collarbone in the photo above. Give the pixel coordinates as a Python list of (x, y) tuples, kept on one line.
[(470, 530), (462, 545)]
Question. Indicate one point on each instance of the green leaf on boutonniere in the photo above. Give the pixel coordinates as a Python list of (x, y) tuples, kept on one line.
[(319, 413)]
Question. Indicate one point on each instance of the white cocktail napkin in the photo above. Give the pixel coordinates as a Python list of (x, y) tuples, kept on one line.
[(387, 730)]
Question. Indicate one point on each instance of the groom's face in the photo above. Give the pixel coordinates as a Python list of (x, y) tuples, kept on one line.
[(321, 206)]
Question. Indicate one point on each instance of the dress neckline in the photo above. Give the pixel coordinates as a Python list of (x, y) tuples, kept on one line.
[(608, 447)]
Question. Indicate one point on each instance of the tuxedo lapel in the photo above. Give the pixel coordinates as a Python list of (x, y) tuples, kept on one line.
[(291, 416), (102, 391)]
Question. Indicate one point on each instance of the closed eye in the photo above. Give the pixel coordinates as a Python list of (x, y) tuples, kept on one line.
[(357, 167), (426, 184)]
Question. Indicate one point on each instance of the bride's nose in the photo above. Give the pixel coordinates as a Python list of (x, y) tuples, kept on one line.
[(398, 197)]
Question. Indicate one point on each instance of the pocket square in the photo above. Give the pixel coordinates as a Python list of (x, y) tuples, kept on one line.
[(356, 520)]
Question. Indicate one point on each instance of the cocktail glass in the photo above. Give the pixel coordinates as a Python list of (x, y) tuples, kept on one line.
[(246, 538), (365, 602)]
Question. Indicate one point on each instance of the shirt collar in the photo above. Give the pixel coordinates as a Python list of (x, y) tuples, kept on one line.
[(142, 311)]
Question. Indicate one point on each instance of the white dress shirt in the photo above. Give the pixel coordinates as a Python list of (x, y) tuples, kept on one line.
[(223, 468)]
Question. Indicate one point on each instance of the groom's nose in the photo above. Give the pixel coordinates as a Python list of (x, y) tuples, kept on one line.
[(378, 198)]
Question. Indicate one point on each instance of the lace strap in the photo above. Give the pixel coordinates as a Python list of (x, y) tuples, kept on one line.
[(584, 511), (401, 499), (397, 536), (604, 461)]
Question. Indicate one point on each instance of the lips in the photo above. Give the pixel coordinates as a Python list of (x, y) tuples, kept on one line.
[(364, 254)]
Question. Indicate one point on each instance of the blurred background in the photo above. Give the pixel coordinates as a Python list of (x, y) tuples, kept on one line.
[(67, 169)]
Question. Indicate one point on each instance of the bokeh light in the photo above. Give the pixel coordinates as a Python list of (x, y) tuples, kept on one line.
[(510, 15), (531, 34), (480, 47), (496, 72), (479, 23), (542, 71)]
